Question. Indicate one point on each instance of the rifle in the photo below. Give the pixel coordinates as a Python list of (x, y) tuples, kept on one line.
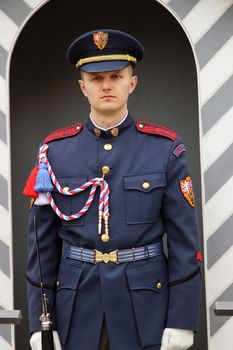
[(45, 318)]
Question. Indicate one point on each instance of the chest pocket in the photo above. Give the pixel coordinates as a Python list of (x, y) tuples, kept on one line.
[(71, 204), (143, 197)]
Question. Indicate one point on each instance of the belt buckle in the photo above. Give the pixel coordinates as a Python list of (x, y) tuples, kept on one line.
[(106, 257)]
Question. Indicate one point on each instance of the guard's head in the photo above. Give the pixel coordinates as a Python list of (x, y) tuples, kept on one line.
[(104, 50)]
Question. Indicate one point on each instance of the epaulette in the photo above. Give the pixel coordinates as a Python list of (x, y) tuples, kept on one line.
[(155, 129), (62, 133)]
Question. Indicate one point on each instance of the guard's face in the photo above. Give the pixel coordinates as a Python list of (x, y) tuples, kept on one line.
[(108, 91)]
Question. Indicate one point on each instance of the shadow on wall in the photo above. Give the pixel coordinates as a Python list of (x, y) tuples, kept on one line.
[(45, 96)]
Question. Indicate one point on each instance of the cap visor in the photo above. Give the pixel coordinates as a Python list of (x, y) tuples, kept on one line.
[(104, 66)]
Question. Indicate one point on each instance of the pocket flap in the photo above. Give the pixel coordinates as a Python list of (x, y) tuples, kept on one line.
[(146, 182), (147, 276), (68, 276)]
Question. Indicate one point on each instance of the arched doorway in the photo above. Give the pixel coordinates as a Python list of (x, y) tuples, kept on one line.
[(45, 96)]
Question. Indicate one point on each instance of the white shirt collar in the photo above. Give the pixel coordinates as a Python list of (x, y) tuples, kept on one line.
[(114, 126)]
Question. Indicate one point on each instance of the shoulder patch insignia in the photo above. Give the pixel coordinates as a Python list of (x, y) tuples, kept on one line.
[(155, 129), (179, 149), (186, 187), (62, 133)]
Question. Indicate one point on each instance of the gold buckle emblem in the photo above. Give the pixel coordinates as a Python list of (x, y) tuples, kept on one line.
[(106, 257)]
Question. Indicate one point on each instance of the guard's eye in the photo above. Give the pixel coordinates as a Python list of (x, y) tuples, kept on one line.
[(115, 76), (96, 78)]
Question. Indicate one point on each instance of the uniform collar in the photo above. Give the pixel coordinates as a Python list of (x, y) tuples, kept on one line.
[(114, 131), (114, 126)]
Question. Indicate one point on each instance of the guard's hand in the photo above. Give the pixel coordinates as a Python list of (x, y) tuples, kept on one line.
[(176, 339), (35, 341), (42, 199)]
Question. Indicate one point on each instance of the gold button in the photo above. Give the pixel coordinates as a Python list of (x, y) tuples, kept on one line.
[(65, 189), (140, 126), (58, 284), (159, 285), (105, 238), (146, 185), (108, 147), (105, 169)]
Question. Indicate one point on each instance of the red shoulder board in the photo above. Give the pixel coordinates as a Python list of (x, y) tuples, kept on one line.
[(148, 128), (62, 133)]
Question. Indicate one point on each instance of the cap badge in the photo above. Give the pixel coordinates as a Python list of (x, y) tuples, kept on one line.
[(187, 190), (100, 39)]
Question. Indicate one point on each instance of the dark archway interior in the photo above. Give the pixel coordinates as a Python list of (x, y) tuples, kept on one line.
[(44, 96)]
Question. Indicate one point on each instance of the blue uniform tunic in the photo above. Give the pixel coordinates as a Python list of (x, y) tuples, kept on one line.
[(139, 299)]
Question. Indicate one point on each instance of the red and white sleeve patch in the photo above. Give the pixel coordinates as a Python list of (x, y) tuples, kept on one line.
[(187, 190)]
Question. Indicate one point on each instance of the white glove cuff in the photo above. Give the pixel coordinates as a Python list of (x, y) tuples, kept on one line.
[(42, 199), (35, 341), (177, 339)]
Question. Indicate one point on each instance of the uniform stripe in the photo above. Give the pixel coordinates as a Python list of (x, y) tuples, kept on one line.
[(203, 16), (217, 140), (5, 333), (217, 105), (4, 259), (3, 192), (10, 29), (220, 172), (223, 339), (217, 246), (17, 10), (2, 95), (216, 322), (3, 133), (215, 72), (219, 208), (215, 38), (3, 60), (182, 7)]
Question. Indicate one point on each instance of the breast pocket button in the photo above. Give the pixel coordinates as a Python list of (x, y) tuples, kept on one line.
[(146, 185)]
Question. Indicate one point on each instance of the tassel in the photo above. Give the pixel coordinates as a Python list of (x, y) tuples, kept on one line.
[(43, 180), (30, 184)]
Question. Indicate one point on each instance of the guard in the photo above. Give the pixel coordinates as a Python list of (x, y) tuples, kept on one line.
[(104, 193)]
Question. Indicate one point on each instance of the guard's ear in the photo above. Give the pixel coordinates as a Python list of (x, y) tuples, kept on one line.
[(133, 83), (82, 87)]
